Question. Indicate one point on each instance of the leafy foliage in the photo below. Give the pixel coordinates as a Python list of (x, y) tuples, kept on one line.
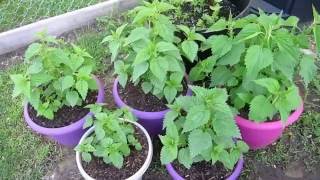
[(56, 75), (258, 64), (113, 136), (201, 128), (149, 56)]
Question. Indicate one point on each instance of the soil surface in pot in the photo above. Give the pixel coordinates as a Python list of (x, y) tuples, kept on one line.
[(202, 171), (244, 113), (132, 163), (195, 13), (134, 97), (66, 115)]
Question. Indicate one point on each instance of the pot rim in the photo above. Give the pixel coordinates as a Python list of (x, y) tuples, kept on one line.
[(66, 129), (135, 176), (271, 125), (235, 173)]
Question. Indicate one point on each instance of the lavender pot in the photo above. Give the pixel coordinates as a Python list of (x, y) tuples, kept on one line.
[(152, 121), (68, 135), (260, 135), (234, 176)]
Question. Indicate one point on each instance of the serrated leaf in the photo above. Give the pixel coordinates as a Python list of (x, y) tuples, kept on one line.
[(21, 85), (198, 142), (35, 68), (146, 87), (223, 123), (220, 76), (308, 69), (137, 34), (72, 97), (165, 28), (82, 87), (220, 25), (232, 57), (116, 159), (285, 64), (242, 146), (86, 156), (261, 109), (271, 84), (220, 45), (67, 82), (166, 46), (185, 158), (197, 117), (170, 93), (247, 32), (139, 70), (190, 49), (158, 70), (256, 59), (88, 123), (32, 50), (169, 118), (168, 154)]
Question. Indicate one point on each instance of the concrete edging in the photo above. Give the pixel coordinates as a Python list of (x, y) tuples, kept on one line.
[(20, 37)]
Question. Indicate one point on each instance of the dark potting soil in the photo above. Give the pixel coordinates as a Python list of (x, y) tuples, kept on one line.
[(132, 163), (66, 115), (134, 97), (202, 171), (244, 113)]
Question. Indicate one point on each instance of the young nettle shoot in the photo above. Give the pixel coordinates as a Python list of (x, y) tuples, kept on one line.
[(149, 58), (56, 75), (201, 128), (113, 137), (258, 65)]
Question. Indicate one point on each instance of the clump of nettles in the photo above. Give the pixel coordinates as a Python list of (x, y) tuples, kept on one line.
[(56, 75), (112, 138), (202, 128)]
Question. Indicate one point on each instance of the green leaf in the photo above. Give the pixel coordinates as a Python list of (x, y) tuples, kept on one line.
[(72, 97), (261, 109), (308, 69), (197, 116), (190, 49), (220, 25), (35, 68), (257, 58), (99, 131), (116, 159), (242, 146), (224, 124), (165, 28), (232, 57), (21, 85), (170, 93), (248, 32), (220, 45), (137, 34), (166, 46), (40, 79), (67, 82), (114, 47), (142, 56), (158, 70), (316, 29), (285, 64), (168, 154), (220, 76), (198, 142), (86, 156), (146, 87), (82, 87), (271, 84), (139, 70), (74, 62), (169, 118), (88, 123), (33, 50), (185, 158)]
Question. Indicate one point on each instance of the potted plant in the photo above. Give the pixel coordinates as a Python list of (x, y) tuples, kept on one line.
[(57, 84), (258, 66), (202, 140), (115, 147), (148, 65)]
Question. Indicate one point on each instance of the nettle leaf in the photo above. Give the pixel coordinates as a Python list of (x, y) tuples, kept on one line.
[(220, 45), (316, 29), (159, 68), (139, 70), (33, 50), (190, 49), (67, 82), (72, 98), (170, 93), (220, 76), (261, 109), (35, 68), (308, 69), (165, 28), (271, 84), (86, 156), (248, 32), (169, 118), (232, 57), (114, 47), (199, 141), (82, 87), (146, 87), (220, 25), (142, 56), (40, 78), (88, 123), (137, 34), (21, 85), (168, 154), (185, 158), (256, 59), (197, 117), (116, 159), (285, 64), (166, 46), (223, 123)]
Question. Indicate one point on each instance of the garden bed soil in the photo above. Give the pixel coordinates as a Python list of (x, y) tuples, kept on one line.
[(202, 171), (66, 115), (134, 97), (132, 163)]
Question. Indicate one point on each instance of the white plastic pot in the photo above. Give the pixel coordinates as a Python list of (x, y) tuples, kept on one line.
[(138, 175)]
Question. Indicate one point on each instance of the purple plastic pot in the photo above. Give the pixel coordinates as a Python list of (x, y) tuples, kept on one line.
[(260, 135), (68, 135), (235, 174), (152, 121)]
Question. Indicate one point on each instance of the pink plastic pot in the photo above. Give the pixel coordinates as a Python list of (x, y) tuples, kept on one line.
[(235, 174), (152, 121), (260, 135), (68, 135)]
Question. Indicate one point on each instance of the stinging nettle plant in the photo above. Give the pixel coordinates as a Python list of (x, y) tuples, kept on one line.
[(56, 75), (145, 53), (201, 128), (259, 64), (113, 137)]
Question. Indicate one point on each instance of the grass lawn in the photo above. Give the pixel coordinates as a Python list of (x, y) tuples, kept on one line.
[(28, 11)]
